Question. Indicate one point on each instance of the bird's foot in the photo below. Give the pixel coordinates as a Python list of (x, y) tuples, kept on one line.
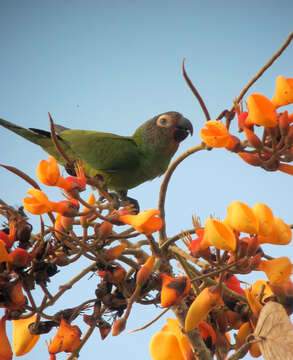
[(128, 201)]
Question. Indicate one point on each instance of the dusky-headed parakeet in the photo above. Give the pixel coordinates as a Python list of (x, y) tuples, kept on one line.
[(122, 161)]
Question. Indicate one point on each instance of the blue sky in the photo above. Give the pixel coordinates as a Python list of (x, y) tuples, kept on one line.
[(109, 66)]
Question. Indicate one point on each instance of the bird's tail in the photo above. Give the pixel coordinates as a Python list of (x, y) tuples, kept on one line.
[(28, 134)]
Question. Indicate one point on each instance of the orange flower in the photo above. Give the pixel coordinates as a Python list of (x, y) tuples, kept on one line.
[(207, 332), (280, 235), (250, 158), (5, 348), (9, 239), (85, 219), (284, 91), (253, 139), (215, 135), (118, 326), (265, 219), (48, 173), (16, 297), (170, 343), (206, 301), (241, 218), (23, 340), (261, 111), (244, 330), (277, 270), (145, 271), (173, 289), (4, 256), (219, 235), (19, 257), (39, 204), (253, 301), (67, 338), (233, 283), (114, 252), (286, 168), (146, 222)]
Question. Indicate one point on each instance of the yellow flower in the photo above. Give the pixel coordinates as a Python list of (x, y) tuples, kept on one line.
[(240, 217), (173, 289), (261, 111), (67, 338), (48, 173), (5, 348), (253, 301), (170, 343), (39, 204), (23, 340), (219, 235), (215, 135), (284, 92), (146, 222), (280, 235), (145, 271), (265, 219), (277, 270), (206, 301)]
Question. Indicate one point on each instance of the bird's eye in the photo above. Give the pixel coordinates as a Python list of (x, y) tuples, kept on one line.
[(164, 121)]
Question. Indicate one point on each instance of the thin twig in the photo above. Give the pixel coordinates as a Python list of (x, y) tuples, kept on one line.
[(69, 284), (149, 323), (22, 175), (195, 92), (262, 70), (164, 185)]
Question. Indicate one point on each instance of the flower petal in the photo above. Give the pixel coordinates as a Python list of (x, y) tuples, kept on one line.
[(23, 340), (284, 91), (261, 111), (215, 135)]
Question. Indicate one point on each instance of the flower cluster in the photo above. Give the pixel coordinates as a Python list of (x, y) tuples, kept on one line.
[(219, 305), (27, 260), (273, 150)]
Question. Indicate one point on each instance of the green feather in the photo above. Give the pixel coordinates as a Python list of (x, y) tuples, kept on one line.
[(123, 162)]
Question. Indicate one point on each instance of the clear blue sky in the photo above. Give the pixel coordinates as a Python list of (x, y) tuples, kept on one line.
[(111, 65)]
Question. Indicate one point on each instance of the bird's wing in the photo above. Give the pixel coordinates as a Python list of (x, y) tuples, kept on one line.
[(103, 151)]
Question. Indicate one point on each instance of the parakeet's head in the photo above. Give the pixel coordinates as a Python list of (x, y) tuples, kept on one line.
[(165, 131)]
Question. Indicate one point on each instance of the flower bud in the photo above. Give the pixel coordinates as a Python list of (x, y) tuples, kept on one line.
[(207, 300)]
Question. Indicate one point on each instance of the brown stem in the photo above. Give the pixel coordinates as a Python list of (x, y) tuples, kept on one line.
[(198, 346), (262, 70), (195, 92), (164, 185)]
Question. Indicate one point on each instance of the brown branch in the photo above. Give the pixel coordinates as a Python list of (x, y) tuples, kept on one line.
[(22, 175), (69, 284), (164, 185), (262, 70), (149, 323), (195, 92)]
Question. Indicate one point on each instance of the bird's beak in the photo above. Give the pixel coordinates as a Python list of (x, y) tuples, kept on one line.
[(183, 129)]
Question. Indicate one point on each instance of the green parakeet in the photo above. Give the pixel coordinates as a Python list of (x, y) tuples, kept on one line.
[(122, 161)]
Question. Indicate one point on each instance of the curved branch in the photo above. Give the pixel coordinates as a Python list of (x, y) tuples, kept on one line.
[(195, 92), (164, 185), (263, 69)]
